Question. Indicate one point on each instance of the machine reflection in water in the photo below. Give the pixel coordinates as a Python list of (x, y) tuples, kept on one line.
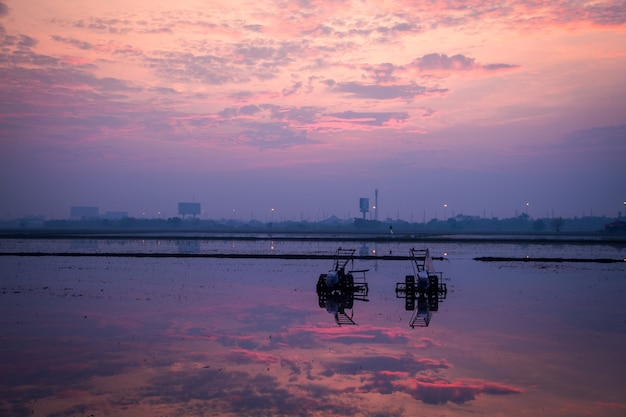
[(338, 289), (422, 291)]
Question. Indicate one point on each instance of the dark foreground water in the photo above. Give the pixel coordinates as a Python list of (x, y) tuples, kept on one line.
[(110, 336)]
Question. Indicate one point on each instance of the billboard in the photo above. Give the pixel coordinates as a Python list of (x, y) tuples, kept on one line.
[(364, 204), (188, 208)]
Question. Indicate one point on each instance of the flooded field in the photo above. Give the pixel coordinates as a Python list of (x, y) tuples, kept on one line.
[(118, 336)]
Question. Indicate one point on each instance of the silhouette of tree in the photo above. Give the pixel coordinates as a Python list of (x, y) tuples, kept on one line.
[(539, 225), (557, 223)]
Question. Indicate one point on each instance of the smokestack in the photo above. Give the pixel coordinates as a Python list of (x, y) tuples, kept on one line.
[(376, 203)]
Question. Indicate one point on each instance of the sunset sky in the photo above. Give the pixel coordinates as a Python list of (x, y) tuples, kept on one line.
[(306, 106)]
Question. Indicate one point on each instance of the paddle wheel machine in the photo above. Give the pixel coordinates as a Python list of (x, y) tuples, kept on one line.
[(338, 289), (422, 291)]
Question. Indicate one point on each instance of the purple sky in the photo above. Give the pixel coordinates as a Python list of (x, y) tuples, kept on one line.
[(306, 106)]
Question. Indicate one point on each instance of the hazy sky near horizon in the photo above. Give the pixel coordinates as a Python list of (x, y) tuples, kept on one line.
[(306, 106)]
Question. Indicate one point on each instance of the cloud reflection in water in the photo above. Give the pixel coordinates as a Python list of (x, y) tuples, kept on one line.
[(210, 337)]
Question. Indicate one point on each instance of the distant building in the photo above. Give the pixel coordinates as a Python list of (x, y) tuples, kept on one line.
[(84, 213), (192, 209), (364, 206)]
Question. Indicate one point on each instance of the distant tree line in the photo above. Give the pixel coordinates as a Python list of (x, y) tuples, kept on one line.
[(458, 224)]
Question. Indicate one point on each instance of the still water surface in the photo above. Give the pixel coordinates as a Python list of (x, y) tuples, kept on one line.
[(231, 337)]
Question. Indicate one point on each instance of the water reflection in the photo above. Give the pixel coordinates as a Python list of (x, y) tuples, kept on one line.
[(337, 289), (364, 250), (423, 290), (195, 336), (188, 246), (84, 244)]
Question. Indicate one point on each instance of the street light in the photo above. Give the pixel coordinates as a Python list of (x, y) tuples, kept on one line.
[(445, 212)]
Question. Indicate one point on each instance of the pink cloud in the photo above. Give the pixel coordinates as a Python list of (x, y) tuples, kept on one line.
[(185, 89), (425, 342), (519, 14), (439, 391), (247, 356)]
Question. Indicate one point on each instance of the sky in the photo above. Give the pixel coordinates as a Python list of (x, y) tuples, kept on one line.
[(297, 109)]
